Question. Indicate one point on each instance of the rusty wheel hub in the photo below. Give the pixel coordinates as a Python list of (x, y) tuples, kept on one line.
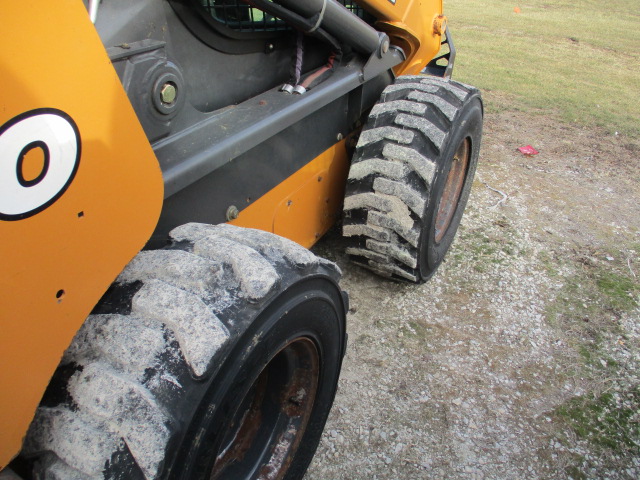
[(452, 189), (266, 430)]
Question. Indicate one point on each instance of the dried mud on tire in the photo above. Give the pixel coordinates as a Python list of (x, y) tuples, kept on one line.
[(480, 372)]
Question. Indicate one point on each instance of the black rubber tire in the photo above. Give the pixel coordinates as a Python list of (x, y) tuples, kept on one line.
[(224, 327), (400, 176)]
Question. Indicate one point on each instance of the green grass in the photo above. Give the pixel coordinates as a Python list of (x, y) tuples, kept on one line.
[(621, 290), (495, 245), (577, 59), (590, 301), (608, 421), (593, 297)]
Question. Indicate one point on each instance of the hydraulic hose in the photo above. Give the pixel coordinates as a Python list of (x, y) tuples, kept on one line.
[(327, 20), (338, 21), (296, 20)]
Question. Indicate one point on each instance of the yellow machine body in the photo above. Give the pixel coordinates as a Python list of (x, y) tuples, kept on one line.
[(414, 25), (61, 255), (305, 205), (57, 263)]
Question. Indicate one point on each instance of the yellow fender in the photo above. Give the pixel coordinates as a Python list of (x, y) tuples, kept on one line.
[(80, 194)]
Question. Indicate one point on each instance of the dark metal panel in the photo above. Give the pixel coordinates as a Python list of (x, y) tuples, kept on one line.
[(199, 150), (254, 173), (208, 79), (249, 176)]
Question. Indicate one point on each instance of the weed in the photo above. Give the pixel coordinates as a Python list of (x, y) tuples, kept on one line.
[(587, 309), (575, 473), (608, 421), (549, 263), (494, 245), (619, 289), (594, 293), (479, 268)]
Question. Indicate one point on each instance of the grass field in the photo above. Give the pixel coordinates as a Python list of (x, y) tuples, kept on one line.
[(577, 59)]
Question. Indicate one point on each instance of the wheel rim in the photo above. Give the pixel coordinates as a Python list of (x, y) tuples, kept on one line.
[(452, 189), (263, 435)]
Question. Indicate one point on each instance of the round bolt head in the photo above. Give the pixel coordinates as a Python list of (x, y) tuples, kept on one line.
[(168, 93), (232, 213), (439, 25)]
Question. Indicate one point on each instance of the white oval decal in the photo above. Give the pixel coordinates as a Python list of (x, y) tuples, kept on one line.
[(56, 135)]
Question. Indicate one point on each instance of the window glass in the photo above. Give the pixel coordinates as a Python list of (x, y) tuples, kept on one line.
[(242, 17)]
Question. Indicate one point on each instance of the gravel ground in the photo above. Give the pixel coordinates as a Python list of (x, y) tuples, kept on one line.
[(520, 358)]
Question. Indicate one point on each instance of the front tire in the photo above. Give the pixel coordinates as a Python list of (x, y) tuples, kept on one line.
[(275, 392), (216, 357), (411, 176)]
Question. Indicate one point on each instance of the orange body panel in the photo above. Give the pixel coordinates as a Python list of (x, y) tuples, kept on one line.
[(410, 25), (57, 263), (305, 205)]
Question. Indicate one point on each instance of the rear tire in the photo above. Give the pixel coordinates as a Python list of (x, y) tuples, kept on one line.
[(411, 176), (216, 357)]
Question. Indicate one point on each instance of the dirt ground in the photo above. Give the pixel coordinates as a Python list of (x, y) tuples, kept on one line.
[(520, 358)]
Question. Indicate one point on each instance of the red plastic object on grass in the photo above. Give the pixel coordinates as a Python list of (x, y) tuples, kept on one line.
[(528, 150)]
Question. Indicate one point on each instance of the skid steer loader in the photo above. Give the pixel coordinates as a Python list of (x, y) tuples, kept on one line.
[(164, 166)]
